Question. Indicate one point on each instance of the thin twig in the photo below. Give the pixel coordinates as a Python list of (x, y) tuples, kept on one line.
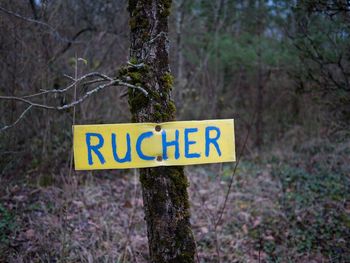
[(131, 217), (93, 81), (116, 82), (73, 120), (75, 82), (234, 172), (53, 31), (18, 119), (217, 245)]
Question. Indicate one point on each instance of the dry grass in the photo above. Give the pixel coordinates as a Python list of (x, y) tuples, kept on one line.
[(98, 217)]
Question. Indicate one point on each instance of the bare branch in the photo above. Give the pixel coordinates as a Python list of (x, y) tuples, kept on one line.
[(94, 81), (96, 78), (121, 83), (18, 119), (33, 104), (221, 210), (52, 30), (69, 77), (99, 88), (86, 95), (75, 82), (115, 82)]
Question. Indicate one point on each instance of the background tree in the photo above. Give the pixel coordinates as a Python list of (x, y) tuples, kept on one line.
[(321, 38)]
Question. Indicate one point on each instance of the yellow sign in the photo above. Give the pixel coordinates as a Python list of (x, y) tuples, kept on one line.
[(136, 145)]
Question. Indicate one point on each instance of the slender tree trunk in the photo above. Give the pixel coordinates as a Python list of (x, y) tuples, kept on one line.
[(259, 129), (259, 124), (165, 196), (259, 113), (179, 52), (181, 79)]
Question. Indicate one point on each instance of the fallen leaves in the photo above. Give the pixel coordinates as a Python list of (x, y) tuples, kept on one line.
[(30, 234)]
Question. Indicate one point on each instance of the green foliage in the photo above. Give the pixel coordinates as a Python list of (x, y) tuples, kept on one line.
[(322, 41), (311, 204), (168, 81), (242, 51), (7, 224), (299, 206)]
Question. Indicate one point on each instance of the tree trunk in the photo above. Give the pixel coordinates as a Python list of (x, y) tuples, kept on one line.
[(164, 189), (259, 124), (259, 129)]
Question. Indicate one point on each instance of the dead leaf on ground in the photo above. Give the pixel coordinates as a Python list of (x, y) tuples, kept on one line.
[(30, 234)]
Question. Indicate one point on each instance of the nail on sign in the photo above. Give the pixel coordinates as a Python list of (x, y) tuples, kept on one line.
[(137, 145)]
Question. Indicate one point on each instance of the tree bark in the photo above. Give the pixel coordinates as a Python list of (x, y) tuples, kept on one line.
[(164, 189)]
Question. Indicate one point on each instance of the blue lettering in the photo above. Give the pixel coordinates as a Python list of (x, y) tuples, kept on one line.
[(127, 157), (213, 141), (138, 146), (171, 143), (94, 148), (188, 143)]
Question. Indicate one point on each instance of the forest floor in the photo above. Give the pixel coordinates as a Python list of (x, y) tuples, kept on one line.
[(291, 207)]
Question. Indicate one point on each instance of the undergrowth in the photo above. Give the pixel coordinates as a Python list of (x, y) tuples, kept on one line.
[(285, 205)]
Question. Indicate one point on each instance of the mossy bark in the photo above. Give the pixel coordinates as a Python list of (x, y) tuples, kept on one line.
[(164, 189)]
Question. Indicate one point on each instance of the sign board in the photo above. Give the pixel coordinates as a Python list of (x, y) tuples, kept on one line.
[(137, 145)]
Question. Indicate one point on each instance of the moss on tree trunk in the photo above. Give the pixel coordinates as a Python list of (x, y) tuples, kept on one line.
[(164, 189)]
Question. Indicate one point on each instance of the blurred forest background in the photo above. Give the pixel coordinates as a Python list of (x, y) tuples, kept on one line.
[(280, 68)]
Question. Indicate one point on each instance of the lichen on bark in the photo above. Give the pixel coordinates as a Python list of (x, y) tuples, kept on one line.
[(164, 189)]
